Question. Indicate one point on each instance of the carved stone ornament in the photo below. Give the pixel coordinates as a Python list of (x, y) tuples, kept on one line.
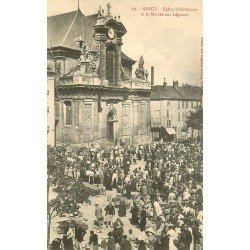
[(110, 43), (87, 122), (143, 118), (126, 119)]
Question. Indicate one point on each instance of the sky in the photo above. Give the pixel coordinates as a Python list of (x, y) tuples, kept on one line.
[(171, 44)]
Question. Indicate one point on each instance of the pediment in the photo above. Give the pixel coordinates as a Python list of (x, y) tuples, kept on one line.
[(117, 26)]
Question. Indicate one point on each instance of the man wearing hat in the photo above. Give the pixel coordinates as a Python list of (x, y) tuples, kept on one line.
[(93, 240), (79, 234), (110, 212), (125, 243), (185, 238), (111, 242), (56, 244)]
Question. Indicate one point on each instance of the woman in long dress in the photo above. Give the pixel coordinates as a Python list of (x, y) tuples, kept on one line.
[(143, 220), (122, 209), (192, 243), (93, 241), (134, 219), (172, 238), (150, 241), (157, 210), (68, 239)]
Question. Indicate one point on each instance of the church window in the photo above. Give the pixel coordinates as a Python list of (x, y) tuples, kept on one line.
[(187, 104), (67, 113), (77, 113), (179, 117), (168, 103), (183, 104), (167, 112)]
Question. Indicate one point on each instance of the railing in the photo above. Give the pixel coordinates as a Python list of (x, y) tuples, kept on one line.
[(94, 80)]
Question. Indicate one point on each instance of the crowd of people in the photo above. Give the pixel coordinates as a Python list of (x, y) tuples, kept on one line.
[(164, 196)]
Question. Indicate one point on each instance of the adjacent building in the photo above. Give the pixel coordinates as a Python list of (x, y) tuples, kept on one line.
[(97, 100), (50, 107), (170, 106)]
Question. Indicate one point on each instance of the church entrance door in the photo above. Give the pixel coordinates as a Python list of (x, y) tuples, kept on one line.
[(111, 126), (111, 131)]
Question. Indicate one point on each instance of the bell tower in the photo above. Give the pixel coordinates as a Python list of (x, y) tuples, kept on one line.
[(108, 35)]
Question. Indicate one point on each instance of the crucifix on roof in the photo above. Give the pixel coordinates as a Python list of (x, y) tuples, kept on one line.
[(109, 8)]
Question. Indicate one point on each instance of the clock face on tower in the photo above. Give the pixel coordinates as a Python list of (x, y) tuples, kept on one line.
[(111, 33)]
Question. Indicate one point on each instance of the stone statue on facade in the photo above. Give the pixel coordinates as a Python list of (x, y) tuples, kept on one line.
[(108, 8), (141, 62), (85, 52), (140, 71)]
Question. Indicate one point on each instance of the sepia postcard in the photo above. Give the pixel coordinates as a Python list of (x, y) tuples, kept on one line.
[(124, 125)]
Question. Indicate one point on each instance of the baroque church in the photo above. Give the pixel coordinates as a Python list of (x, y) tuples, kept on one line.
[(97, 100)]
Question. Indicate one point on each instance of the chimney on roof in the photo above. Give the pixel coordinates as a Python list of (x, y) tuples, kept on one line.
[(175, 84), (165, 84), (152, 75)]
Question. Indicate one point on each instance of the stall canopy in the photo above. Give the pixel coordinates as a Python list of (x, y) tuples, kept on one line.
[(170, 131), (184, 128)]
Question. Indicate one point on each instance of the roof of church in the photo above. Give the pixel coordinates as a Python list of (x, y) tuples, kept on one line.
[(64, 28), (125, 57), (185, 92)]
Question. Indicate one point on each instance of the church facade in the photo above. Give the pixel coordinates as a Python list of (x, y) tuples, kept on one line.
[(97, 100)]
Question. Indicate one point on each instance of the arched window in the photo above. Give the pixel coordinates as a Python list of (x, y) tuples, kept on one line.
[(67, 113)]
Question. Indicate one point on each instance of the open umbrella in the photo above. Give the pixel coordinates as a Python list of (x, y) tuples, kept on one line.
[(89, 173), (62, 225), (81, 222), (62, 219), (150, 230), (83, 225), (72, 223), (117, 224)]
